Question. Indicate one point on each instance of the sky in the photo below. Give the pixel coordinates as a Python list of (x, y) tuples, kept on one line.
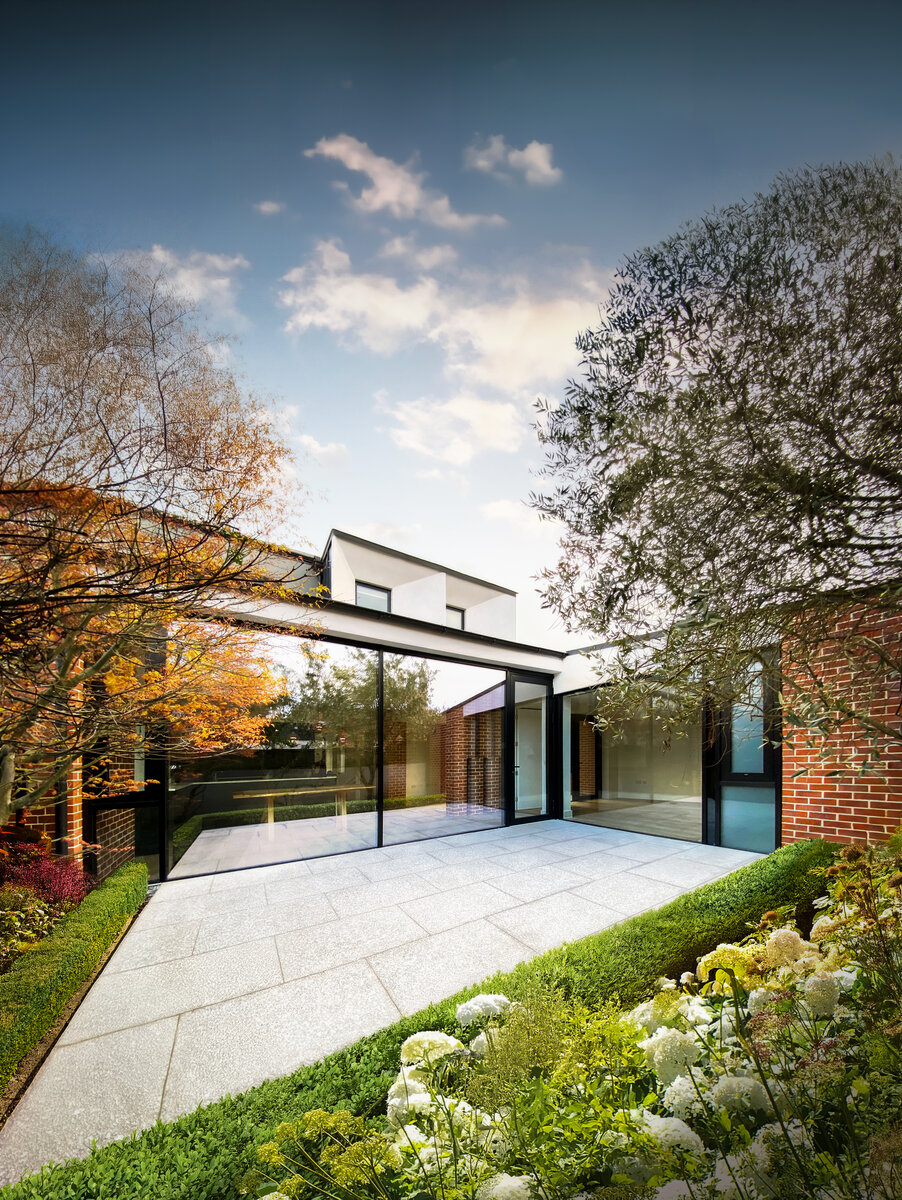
[(403, 214)]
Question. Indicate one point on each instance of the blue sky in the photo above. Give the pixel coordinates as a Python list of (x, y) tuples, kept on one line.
[(405, 213)]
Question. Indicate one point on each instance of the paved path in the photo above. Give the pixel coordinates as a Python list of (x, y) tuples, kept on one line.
[(226, 980)]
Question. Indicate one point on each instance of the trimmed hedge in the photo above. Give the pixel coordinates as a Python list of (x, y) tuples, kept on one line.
[(43, 980), (200, 1156)]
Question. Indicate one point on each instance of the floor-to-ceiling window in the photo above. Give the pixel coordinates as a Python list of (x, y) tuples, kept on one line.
[(443, 735), (308, 788), (632, 779)]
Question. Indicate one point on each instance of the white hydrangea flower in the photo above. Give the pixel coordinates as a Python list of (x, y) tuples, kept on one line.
[(821, 993), (694, 1010), (407, 1087), (479, 1046), (740, 1094), (506, 1187), (672, 1133), (682, 1098), (758, 998), (643, 1016), (845, 977), (410, 1135), (783, 947), (664, 984), (478, 1007), (428, 1047), (669, 1051)]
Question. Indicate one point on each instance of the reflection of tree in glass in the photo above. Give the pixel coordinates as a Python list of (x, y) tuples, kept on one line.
[(335, 703)]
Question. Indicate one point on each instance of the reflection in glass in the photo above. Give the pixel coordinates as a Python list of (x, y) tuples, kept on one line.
[(443, 731), (631, 781), (308, 789), (529, 749), (747, 817), (747, 731)]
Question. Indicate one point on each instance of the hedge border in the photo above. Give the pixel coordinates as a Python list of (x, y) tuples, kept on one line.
[(40, 984), (200, 1156)]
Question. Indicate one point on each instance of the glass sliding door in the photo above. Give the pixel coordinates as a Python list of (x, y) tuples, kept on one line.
[(443, 748), (530, 749), (746, 769), (631, 780), (308, 787)]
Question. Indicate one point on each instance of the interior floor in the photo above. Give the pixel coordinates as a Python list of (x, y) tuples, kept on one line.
[(680, 818)]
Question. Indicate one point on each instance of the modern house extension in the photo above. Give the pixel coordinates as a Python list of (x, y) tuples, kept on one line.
[(419, 715)]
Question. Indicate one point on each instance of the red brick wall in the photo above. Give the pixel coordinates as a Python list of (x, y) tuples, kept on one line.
[(848, 806), (586, 759), (116, 834)]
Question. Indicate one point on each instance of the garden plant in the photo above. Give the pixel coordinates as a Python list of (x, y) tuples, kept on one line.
[(771, 1071)]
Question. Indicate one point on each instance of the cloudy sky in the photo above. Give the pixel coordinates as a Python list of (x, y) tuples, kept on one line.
[(404, 213)]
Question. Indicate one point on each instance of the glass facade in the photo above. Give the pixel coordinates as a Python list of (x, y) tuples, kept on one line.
[(310, 790), (631, 781), (530, 750), (444, 739)]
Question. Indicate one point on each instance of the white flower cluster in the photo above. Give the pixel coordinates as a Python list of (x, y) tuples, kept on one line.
[(821, 993), (425, 1049), (738, 1093), (672, 1133), (683, 1099), (669, 1051), (784, 947), (506, 1187), (480, 1007)]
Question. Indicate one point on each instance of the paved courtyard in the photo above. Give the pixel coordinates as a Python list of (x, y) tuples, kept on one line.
[(226, 980)]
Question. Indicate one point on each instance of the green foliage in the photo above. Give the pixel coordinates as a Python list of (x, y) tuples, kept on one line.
[(199, 1156), (40, 983), (727, 469), (24, 919), (530, 1040)]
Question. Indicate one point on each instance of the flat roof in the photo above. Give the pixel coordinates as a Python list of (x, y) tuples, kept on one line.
[(412, 558)]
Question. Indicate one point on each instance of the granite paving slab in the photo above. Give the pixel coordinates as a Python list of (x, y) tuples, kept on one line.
[(226, 980)]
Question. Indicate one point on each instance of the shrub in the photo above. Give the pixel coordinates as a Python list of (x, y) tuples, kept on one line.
[(40, 983), (200, 1156), (60, 881), (24, 918)]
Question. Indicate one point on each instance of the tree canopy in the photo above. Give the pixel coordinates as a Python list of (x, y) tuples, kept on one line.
[(728, 467), (137, 481)]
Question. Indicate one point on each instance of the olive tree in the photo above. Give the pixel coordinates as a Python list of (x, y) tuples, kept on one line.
[(728, 466)]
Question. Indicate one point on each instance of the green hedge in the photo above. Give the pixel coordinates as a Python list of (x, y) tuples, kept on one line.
[(199, 1156), (43, 980)]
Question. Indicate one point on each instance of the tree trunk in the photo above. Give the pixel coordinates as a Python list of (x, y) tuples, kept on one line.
[(7, 780)]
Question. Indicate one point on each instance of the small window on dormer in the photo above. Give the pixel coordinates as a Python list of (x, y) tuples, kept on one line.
[(454, 617), (370, 596)]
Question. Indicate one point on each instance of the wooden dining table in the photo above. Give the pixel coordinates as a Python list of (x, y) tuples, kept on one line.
[(340, 793)]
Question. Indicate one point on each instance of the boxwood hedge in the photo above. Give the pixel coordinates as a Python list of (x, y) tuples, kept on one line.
[(42, 981), (200, 1156)]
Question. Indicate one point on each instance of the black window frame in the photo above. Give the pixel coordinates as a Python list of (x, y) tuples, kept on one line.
[(453, 608), (376, 587)]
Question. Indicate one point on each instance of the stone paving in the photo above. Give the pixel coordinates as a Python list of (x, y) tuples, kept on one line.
[(226, 980)]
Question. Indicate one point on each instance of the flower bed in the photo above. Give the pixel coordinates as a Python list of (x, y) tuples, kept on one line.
[(772, 1071), (36, 891)]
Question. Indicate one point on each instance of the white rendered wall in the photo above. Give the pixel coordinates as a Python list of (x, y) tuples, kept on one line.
[(422, 599), (493, 618), (343, 582)]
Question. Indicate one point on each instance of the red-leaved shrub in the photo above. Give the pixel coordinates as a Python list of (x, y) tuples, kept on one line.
[(60, 881)]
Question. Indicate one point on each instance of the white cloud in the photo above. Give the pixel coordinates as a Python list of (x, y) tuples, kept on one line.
[(268, 208), (455, 430), (517, 515), (207, 280), (425, 258), (371, 309), (385, 533), (325, 451), (493, 330), (395, 188), (493, 156)]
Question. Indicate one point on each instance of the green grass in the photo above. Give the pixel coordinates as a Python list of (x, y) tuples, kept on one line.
[(200, 1156), (43, 980)]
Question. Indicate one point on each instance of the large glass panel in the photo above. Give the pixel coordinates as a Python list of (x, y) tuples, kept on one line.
[(529, 749), (747, 731), (747, 817), (631, 780), (443, 730), (308, 788)]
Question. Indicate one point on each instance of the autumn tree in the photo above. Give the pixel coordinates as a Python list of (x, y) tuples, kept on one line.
[(138, 483), (728, 466)]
